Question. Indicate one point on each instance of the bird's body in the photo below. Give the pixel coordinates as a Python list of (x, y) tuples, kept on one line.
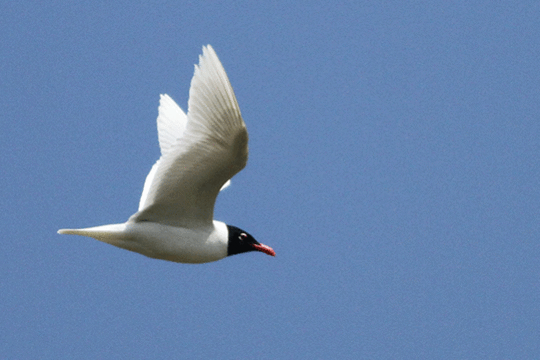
[(158, 241), (200, 152)]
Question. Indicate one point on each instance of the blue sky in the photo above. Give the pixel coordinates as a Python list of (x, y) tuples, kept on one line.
[(394, 168)]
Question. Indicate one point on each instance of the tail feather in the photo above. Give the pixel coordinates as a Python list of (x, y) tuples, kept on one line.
[(104, 233)]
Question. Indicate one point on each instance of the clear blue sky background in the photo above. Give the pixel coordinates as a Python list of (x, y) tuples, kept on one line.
[(394, 167)]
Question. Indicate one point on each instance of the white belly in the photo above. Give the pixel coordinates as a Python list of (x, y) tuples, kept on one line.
[(175, 244)]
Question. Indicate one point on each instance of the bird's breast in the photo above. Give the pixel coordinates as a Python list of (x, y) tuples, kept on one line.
[(185, 245)]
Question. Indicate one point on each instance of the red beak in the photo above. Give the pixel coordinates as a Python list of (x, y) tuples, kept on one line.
[(265, 249)]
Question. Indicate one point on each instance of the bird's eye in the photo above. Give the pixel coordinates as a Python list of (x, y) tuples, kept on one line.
[(243, 236)]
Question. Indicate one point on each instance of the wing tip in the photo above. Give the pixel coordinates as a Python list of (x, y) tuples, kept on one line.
[(208, 48)]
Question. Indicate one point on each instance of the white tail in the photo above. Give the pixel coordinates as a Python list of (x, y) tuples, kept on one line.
[(105, 233)]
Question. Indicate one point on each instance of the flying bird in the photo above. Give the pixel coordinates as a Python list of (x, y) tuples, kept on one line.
[(200, 153)]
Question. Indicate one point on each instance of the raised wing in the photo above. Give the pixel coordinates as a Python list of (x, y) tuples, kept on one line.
[(182, 187), (171, 123)]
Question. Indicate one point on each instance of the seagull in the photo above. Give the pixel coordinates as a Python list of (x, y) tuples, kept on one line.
[(200, 153)]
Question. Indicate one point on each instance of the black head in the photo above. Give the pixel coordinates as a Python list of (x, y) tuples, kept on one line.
[(241, 242)]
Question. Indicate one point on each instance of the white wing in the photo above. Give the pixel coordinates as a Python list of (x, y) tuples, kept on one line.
[(182, 187), (171, 123)]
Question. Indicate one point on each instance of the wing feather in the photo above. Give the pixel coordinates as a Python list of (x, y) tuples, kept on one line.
[(184, 183), (171, 123)]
